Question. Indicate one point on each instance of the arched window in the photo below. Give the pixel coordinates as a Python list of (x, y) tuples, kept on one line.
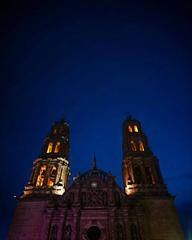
[(136, 128), (149, 175), (51, 179), (50, 147), (53, 232), (133, 146), (141, 146), (130, 128), (137, 175), (57, 147), (41, 176), (134, 232)]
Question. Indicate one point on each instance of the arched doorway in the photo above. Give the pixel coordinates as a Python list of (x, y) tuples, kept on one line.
[(93, 233)]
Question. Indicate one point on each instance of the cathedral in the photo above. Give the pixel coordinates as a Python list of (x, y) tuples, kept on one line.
[(94, 207)]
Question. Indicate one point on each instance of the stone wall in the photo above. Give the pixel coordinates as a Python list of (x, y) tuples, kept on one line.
[(28, 221)]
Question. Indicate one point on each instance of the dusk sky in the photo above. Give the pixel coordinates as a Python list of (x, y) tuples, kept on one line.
[(93, 64)]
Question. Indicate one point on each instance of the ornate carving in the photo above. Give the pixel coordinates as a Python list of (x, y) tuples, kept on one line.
[(94, 197)]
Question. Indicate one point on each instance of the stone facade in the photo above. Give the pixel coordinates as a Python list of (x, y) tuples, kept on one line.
[(94, 206)]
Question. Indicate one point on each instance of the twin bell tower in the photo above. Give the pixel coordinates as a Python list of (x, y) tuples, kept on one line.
[(140, 168), (94, 207)]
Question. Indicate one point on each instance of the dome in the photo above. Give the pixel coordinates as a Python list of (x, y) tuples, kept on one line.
[(95, 174)]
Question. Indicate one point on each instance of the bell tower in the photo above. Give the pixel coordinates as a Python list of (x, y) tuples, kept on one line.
[(94, 206), (140, 168), (51, 169)]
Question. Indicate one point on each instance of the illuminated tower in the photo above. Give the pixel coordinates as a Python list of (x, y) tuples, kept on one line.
[(140, 168), (94, 206), (143, 181), (51, 169)]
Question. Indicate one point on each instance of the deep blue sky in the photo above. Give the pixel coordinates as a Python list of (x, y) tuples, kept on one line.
[(94, 63)]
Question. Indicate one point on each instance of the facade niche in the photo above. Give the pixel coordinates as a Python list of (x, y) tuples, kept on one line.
[(68, 232), (134, 232), (83, 198), (53, 232), (105, 198), (119, 232)]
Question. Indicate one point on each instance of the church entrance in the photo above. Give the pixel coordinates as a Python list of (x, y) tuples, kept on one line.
[(93, 233)]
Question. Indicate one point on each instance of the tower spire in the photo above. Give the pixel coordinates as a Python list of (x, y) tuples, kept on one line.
[(94, 162)]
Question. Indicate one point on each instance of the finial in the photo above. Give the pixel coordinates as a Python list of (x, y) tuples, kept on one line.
[(129, 117), (62, 118), (94, 162), (78, 174)]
